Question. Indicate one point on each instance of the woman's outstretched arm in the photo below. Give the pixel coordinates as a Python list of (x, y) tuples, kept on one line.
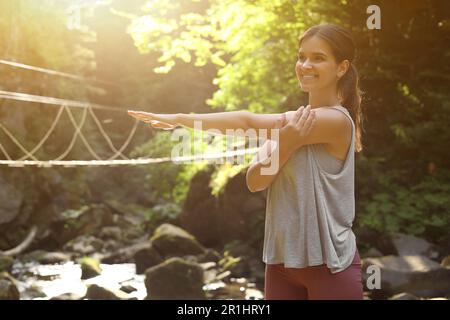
[(238, 123)]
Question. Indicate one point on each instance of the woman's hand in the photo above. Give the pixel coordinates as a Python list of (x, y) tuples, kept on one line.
[(298, 127), (158, 121)]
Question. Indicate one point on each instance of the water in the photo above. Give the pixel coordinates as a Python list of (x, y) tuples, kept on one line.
[(54, 280)]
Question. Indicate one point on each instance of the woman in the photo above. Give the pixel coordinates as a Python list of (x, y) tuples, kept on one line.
[(309, 247)]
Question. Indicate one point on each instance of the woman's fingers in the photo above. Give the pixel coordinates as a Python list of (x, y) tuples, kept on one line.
[(143, 116), (309, 124), (161, 125), (297, 115), (304, 116)]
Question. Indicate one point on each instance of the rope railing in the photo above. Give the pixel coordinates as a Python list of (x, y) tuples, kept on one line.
[(65, 105)]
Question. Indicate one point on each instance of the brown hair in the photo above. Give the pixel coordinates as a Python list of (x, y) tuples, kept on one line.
[(343, 47)]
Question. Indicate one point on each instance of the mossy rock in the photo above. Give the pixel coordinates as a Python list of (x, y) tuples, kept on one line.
[(6, 263), (171, 241), (175, 278), (90, 268)]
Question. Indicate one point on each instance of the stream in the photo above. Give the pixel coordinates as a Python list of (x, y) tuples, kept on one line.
[(37, 281), (43, 282)]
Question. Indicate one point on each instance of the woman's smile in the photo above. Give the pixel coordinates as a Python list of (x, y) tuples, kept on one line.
[(308, 77)]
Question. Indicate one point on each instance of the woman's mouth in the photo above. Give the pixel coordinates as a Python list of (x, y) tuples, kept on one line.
[(308, 77)]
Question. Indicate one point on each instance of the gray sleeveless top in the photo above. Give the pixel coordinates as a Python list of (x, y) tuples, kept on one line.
[(310, 210)]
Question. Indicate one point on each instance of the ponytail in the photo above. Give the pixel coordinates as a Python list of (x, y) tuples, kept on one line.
[(348, 89)]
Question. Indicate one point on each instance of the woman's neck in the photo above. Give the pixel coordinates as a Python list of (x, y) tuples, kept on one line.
[(323, 98)]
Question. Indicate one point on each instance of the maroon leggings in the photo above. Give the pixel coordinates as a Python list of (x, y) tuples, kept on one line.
[(313, 283)]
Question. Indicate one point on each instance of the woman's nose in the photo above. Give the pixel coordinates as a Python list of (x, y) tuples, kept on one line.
[(306, 64)]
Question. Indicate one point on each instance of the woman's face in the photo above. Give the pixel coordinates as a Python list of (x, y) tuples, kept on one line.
[(316, 67)]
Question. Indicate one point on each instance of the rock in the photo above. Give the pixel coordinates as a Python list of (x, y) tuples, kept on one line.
[(209, 255), (235, 214), (114, 233), (146, 257), (171, 240), (446, 262), (404, 296), (111, 245), (175, 279), (8, 288), (407, 245), (257, 270), (372, 253), (84, 245), (85, 220), (6, 263), (108, 184), (95, 292), (242, 212), (90, 268), (34, 292), (399, 244), (128, 288), (45, 257), (10, 200), (8, 291), (200, 214), (417, 275), (67, 296), (126, 254)]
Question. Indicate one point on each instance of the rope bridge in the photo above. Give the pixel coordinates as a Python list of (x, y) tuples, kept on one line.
[(29, 158)]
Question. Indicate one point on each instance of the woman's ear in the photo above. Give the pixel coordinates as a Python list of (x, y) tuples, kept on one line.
[(342, 68)]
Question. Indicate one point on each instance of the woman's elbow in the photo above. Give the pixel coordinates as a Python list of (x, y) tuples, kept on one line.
[(252, 184)]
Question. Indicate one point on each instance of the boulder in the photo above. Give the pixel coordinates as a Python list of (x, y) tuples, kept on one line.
[(67, 296), (110, 232), (6, 263), (404, 296), (235, 214), (407, 245), (209, 255), (84, 245), (90, 268), (446, 262), (45, 257), (170, 240), (10, 200), (398, 244), (8, 288), (82, 221), (124, 255), (127, 288), (146, 257), (200, 214), (417, 275), (173, 279), (95, 292), (372, 253), (241, 211)]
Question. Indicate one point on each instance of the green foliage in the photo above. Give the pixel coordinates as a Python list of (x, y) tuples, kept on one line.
[(161, 213), (422, 209), (170, 180), (228, 261)]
